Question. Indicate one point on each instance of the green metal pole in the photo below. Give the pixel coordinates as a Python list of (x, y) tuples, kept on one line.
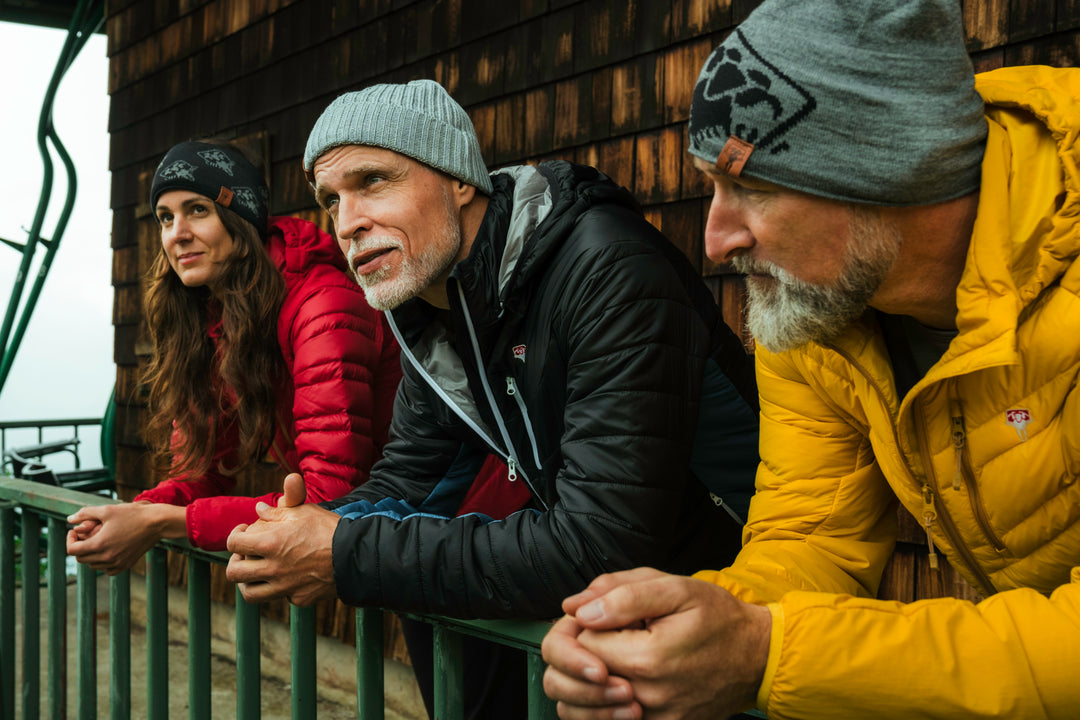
[(302, 636), (86, 586), (31, 613), (120, 646), (449, 675), (369, 664), (248, 660), (157, 635), (57, 619), (7, 609), (198, 638), (540, 707)]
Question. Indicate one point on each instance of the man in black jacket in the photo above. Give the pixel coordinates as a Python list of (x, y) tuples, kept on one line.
[(541, 319)]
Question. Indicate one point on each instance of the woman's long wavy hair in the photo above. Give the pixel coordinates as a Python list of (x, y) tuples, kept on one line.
[(189, 381)]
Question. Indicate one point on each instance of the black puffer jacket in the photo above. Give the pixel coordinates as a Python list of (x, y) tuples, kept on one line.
[(575, 348)]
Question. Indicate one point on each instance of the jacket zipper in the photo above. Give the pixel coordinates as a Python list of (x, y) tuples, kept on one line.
[(511, 452), (511, 464), (927, 492), (947, 525), (974, 497), (511, 390)]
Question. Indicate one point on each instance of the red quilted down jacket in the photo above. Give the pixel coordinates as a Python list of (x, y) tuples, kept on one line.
[(333, 417)]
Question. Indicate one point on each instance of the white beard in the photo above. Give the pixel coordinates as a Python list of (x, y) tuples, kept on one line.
[(391, 285), (784, 312)]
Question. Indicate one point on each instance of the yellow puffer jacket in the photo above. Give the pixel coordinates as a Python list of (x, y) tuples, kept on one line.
[(985, 450)]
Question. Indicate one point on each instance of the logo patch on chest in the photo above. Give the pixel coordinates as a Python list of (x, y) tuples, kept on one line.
[(1019, 419), (519, 352)]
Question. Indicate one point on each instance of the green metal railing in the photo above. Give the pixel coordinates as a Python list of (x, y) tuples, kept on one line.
[(29, 505)]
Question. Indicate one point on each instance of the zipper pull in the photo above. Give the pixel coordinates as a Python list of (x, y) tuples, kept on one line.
[(958, 436), (511, 465), (511, 388), (929, 516)]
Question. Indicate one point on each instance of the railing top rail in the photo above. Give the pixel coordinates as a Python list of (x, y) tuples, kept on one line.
[(17, 424), (61, 502)]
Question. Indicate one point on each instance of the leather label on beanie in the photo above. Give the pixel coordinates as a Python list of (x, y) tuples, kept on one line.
[(224, 198), (733, 157)]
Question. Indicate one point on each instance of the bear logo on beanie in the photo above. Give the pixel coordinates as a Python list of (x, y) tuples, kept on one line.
[(737, 82), (218, 160)]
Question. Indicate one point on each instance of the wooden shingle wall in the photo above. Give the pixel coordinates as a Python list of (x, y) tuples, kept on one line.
[(602, 82)]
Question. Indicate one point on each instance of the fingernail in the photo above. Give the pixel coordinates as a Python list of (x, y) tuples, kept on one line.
[(619, 693), (623, 714), (591, 611), (592, 673)]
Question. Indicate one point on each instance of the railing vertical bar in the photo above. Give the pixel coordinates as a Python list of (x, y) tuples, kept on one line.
[(449, 675), (120, 646), (248, 660), (302, 638), (369, 664), (57, 557), (198, 637), (7, 609), (157, 635), (31, 614), (540, 707), (86, 587)]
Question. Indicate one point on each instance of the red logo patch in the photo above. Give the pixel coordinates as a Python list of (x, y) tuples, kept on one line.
[(1019, 419), (519, 352)]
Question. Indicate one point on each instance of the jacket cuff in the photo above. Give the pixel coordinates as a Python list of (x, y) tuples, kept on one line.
[(776, 642)]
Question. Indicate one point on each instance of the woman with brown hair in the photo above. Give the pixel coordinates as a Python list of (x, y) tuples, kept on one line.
[(262, 342)]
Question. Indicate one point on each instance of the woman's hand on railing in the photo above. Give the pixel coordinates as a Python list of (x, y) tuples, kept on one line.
[(112, 538), (287, 552)]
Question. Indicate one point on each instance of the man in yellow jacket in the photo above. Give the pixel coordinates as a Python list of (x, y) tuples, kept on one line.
[(910, 234)]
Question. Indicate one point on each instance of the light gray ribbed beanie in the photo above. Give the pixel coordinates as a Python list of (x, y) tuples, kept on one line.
[(869, 101), (418, 119)]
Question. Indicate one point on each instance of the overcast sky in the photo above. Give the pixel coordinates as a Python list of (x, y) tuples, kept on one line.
[(64, 367)]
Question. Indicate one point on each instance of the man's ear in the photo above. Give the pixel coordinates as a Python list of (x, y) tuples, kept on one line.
[(463, 193)]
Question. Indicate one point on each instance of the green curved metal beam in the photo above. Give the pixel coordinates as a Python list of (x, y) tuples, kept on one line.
[(88, 18)]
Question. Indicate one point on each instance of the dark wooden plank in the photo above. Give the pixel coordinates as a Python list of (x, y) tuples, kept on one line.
[(694, 18), (593, 42), (483, 119), (637, 94), (741, 9), (523, 56), (481, 18), (509, 129), (539, 121), (431, 27), (1029, 19), (694, 183), (127, 301), (572, 108), (653, 24), (986, 23), (482, 70), (987, 60), (127, 271), (615, 158), (898, 579), (1060, 50), (658, 166), (1067, 15), (733, 307), (681, 224), (532, 8), (557, 46), (682, 65)]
